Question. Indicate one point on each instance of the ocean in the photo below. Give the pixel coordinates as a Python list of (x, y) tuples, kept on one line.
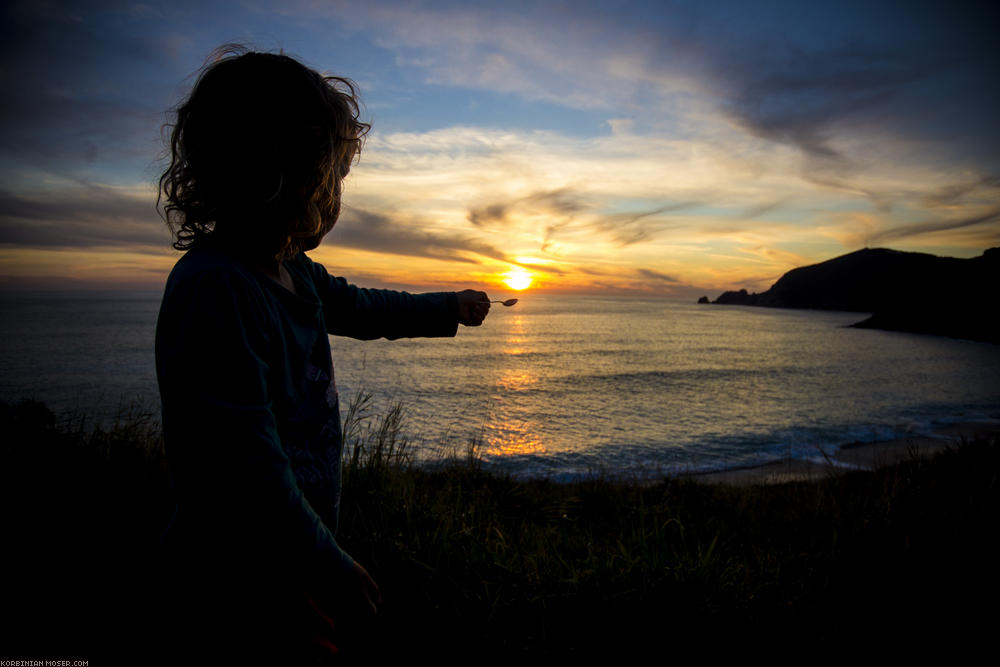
[(566, 386)]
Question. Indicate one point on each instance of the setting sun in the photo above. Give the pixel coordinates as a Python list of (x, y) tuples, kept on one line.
[(517, 279)]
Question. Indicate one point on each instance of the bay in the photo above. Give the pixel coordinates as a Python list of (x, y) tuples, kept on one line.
[(564, 386)]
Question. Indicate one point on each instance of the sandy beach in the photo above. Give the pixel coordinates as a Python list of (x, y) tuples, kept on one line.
[(854, 456)]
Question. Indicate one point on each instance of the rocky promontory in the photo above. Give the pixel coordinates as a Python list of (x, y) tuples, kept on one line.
[(904, 291)]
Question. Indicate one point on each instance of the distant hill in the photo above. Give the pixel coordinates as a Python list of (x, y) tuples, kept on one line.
[(904, 291)]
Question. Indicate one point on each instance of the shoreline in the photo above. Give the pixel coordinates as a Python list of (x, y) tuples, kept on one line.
[(852, 456)]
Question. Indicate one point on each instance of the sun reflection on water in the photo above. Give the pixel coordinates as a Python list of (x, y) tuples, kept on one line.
[(512, 438), (516, 340), (513, 380), (506, 435)]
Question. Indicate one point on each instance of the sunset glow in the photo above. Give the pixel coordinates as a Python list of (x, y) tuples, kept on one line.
[(599, 151), (518, 280)]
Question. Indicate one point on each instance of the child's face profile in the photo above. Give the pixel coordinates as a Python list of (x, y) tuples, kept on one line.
[(327, 208), (217, 178), (312, 242)]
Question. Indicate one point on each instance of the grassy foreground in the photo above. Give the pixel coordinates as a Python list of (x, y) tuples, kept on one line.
[(477, 564)]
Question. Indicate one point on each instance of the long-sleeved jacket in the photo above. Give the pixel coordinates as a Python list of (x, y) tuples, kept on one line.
[(251, 418)]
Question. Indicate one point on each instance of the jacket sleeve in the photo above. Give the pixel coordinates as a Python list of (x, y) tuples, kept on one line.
[(231, 474), (376, 313)]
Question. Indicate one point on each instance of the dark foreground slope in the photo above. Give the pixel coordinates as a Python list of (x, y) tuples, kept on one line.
[(904, 291), (481, 566)]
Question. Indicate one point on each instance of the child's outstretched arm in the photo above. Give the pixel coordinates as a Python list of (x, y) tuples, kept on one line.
[(374, 313)]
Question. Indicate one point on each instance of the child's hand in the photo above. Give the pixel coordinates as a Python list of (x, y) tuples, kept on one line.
[(353, 596), (366, 591), (343, 612), (472, 307)]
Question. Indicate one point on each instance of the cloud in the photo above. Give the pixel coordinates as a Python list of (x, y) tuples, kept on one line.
[(760, 209), (656, 276), (810, 79), (934, 226), (776, 256), (629, 228), (949, 195), (630, 134), (563, 202), (800, 96), (637, 281), (640, 196), (489, 215), (81, 216), (584, 57), (376, 232), (82, 95)]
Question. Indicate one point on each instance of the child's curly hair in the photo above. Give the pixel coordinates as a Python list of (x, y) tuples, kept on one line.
[(258, 153)]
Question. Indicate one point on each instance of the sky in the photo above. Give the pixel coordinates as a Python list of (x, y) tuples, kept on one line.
[(648, 148)]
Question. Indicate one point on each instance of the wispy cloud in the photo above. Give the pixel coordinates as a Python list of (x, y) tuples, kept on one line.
[(656, 276), (574, 199), (81, 216), (86, 99), (981, 187), (561, 203), (630, 228), (934, 226), (381, 233), (698, 142)]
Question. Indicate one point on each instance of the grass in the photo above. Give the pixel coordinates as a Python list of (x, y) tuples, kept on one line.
[(475, 563)]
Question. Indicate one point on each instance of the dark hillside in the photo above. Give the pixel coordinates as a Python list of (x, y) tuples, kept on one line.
[(905, 291)]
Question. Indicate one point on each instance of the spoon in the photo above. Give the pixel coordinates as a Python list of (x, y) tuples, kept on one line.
[(508, 302)]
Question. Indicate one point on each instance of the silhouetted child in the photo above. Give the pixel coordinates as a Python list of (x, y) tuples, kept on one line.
[(250, 411)]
